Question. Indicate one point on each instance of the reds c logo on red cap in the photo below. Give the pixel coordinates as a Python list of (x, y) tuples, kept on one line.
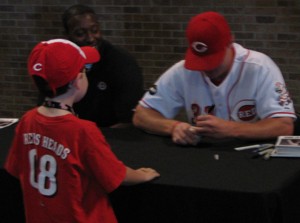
[(37, 67), (199, 47)]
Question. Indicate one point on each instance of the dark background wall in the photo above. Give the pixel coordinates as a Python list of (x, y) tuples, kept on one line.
[(152, 30)]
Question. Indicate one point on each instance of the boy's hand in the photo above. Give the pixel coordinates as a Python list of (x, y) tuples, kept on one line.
[(149, 173)]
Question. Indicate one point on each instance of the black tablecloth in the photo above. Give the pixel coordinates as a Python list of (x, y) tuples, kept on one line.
[(194, 186), (11, 208)]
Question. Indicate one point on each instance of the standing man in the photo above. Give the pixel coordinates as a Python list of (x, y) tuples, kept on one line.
[(115, 82), (227, 91)]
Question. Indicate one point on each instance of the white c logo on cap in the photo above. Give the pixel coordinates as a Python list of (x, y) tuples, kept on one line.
[(37, 67), (199, 47)]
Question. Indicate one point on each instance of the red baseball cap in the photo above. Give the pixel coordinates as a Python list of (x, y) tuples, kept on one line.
[(208, 36), (59, 61)]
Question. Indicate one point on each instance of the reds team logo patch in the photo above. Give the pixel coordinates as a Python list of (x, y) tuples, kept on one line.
[(245, 111), (284, 98)]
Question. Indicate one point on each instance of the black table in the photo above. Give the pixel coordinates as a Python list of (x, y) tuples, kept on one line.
[(196, 187), (11, 208)]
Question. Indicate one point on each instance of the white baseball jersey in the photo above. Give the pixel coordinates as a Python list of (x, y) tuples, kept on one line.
[(254, 89)]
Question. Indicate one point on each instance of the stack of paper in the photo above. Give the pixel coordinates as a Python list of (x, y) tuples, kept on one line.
[(287, 146)]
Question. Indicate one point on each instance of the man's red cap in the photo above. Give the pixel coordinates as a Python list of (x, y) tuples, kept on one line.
[(208, 36), (59, 61)]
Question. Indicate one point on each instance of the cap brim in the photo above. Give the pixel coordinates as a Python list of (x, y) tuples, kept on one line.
[(203, 63), (91, 53)]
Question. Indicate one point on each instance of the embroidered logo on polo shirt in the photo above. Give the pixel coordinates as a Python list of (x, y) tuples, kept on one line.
[(102, 86), (152, 90)]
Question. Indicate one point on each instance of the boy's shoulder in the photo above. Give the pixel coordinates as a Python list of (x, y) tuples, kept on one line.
[(66, 121)]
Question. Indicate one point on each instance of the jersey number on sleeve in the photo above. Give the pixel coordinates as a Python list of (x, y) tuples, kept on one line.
[(42, 173)]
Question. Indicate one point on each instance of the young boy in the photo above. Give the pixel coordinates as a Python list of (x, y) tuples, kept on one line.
[(65, 166)]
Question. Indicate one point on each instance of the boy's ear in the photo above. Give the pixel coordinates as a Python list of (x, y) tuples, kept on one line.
[(75, 82)]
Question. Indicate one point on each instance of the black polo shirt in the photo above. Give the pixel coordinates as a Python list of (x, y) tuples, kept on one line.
[(115, 87)]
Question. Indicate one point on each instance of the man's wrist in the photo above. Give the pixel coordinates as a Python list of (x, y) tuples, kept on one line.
[(175, 124)]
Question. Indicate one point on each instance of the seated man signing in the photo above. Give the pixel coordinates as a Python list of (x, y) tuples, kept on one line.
[(228, 91)]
